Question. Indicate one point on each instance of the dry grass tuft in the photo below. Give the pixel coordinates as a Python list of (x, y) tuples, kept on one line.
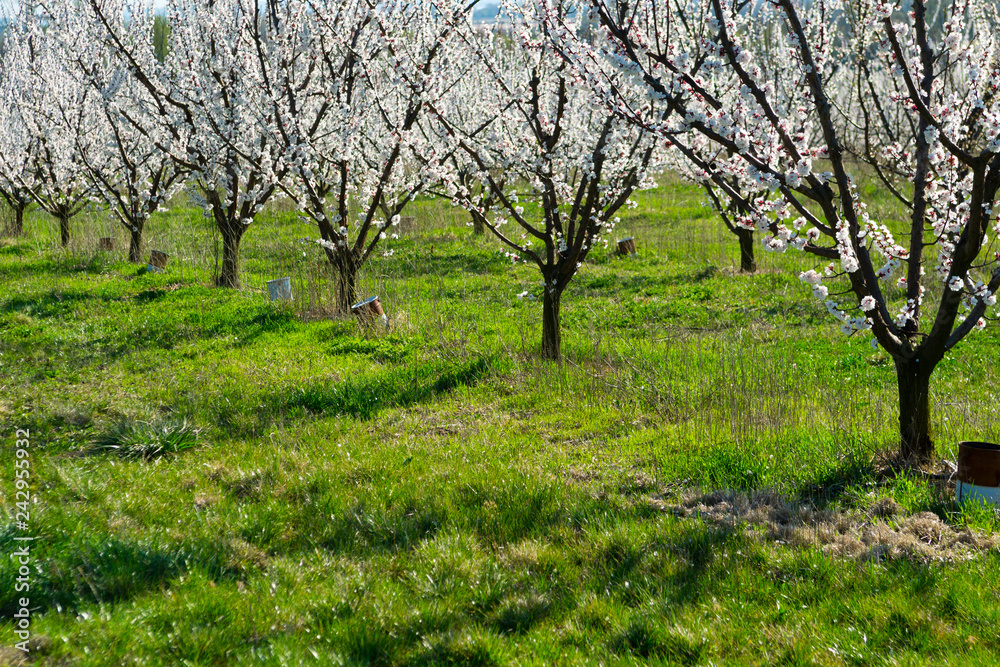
[(244, 556), (637, 482), (205, 500), (885, 531), (251, 486)]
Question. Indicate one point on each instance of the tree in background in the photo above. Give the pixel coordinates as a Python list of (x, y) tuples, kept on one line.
[(461, 108), (945, 168), (201, 105), (310, 99), (126, 166), (15, 157), (734, 213), (346, 102), (555, 142), (52, 112)]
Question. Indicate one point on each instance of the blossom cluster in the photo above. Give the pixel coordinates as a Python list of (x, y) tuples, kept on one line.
[(773, 106)]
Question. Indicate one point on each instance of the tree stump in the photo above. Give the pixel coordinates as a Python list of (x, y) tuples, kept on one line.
[(157, 261), (627, 247)]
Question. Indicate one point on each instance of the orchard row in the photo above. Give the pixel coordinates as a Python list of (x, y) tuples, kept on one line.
[(542, 124)]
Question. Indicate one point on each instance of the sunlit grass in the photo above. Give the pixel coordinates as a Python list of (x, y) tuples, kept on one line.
[(436, 493)]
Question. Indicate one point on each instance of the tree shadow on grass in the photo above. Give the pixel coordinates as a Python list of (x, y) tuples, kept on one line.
[(699, 547), (71, 571), (525, 602), (54, 265), (481, 263), (620, 565), (51, 304), (363, 398), (12, 250), (833, 484), (270, 320), (151, 295), (367, 529), (524, 608), (79, 571), (164, 333)]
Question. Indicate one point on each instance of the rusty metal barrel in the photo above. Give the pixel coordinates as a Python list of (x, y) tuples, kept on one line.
[(369, 311), (978, 472)]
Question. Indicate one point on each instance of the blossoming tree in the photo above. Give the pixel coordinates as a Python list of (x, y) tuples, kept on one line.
[(541, 127), (127, 168), (51, 112), (15, 158), (919, 297), (348, 83), (200, 111)]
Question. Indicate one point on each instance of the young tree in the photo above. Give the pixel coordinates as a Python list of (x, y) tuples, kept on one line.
[(460, 106), (15, 157), (546, 131), (202, 98), (128, 169), (946, 171), (734, 214), (347, 98), (15, 148), (134, 177), (56, 114)]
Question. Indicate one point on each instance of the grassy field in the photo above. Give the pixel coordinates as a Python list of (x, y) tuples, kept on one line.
[(699, 482)]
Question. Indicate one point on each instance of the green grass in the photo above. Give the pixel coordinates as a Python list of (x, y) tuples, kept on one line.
[(438, 494), (144, 440)]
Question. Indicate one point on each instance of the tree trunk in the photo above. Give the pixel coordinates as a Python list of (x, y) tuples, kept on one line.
[(64, 229), (551, 338), (915, 441), (135, 244), (478, 227), (232, 234), (347, 283), (747, 262)]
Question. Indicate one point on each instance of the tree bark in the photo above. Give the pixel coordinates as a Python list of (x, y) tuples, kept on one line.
[(748, 264), (232, 234), (135, 244), (913, 379), (478, 228), (551, 336), (347, 282), (64, 229)]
